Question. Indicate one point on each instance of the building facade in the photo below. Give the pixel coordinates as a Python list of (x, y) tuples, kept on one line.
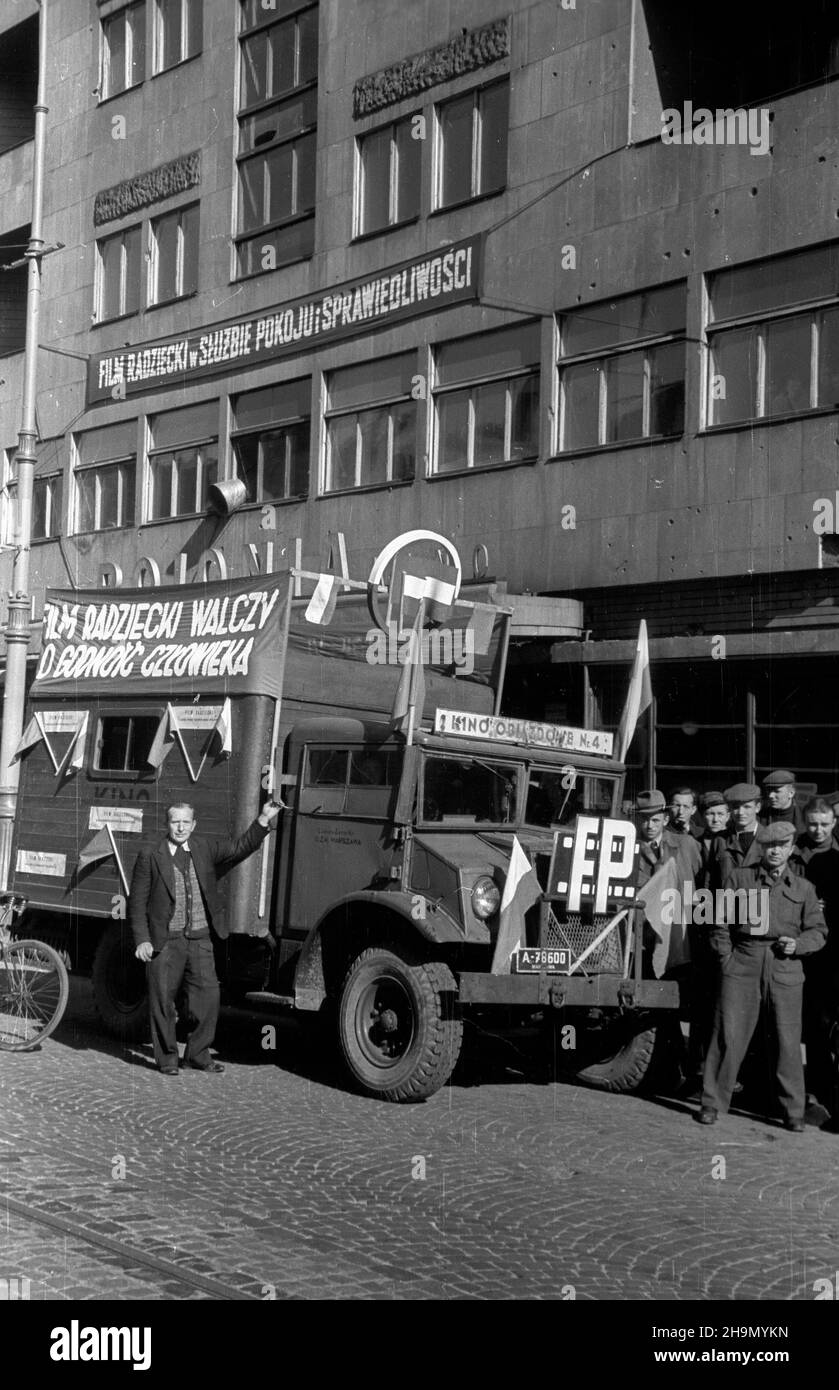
[(558, 280)]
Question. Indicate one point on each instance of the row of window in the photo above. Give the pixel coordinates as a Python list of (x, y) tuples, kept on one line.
[(276, 153), (475, 402)]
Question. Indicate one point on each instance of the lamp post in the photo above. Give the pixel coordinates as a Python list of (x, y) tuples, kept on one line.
[(18, 624)]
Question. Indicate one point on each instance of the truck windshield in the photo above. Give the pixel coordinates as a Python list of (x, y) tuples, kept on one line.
[(556, 795), (469, 790)]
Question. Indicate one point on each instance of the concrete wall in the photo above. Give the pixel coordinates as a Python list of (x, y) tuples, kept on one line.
[(715, 504)]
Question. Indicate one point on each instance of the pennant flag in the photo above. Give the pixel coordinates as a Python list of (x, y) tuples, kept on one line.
[(671, 946), (103, 846), (32, 734), (74, 757), (321, 607), (410, 692), (224, 729), (639, 696), (164, 740), (521, 891), (100, 847)]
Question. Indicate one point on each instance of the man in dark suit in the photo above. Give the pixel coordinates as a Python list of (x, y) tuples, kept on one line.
[(738, 849), (658, 842), (818, 860), (780, 803), (174, 905)]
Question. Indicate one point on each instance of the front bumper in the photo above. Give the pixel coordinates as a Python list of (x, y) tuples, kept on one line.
[(568, 991)]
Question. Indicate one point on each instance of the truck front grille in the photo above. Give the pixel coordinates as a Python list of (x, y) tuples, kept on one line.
[(574, 932)]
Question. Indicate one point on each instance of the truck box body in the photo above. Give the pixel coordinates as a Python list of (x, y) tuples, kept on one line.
[(89, 799)]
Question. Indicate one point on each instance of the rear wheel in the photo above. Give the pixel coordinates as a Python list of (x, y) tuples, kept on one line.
[(120, 993), (399, 1027), (33, 994)]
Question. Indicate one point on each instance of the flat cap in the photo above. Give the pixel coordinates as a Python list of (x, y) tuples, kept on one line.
[(780, 832), (709, 799), (742, 791), (781, 778), (832, 798), (649, 802)]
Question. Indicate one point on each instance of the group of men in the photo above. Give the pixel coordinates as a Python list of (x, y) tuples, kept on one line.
[(746, 966)]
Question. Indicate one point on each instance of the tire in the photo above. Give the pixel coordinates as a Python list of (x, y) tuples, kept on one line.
[(399, 1027), (33, 994), (619, 1057), (120, 993)]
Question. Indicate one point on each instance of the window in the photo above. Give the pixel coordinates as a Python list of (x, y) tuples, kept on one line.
[(118, 275), (104, 477), (357, 781), (768, 354), (13, 289), (388, 177), (622, 369), (371, 424), (173, 266), (177, 32), (277, 135), (123, 49), (472, 145), (123, 742), (183, 460), (270, 438), (47, 489), (486, 399), (465, 792)]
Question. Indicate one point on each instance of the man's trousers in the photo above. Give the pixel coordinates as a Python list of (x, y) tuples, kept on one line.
[(753, 977), (189, 960)]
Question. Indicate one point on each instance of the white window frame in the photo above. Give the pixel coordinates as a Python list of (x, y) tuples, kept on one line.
[(477, 139), (53, 522), (393, 220), (760, 322), (196, 446), (152, 295), (122, 464), (107, 90), (363, 408), (157, 42), (471, 384), (99, 315)]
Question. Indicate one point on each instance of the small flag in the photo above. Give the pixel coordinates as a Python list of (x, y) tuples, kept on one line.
[(521, 891), (224, 729), (321, 607), (437, 584), (410, 692), (164, 740), (671, 946), (74, 757), (32, 734), (639, 696), (481, 625), (100, 847)]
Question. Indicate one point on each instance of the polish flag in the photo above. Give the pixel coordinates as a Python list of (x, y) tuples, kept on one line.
[(639, 696), (521, 891)]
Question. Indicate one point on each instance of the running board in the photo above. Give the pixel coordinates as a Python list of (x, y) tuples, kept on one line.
[(264, 999)]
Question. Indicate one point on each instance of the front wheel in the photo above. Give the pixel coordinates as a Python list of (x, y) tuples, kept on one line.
[(33, 994), (399, 1027), (620, 1055)]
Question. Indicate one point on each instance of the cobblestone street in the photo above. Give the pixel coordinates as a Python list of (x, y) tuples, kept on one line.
[(271, 1181)]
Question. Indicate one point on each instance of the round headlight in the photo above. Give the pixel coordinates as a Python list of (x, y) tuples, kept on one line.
[(485, 898)]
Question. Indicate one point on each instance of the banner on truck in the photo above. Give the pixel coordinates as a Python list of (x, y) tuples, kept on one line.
[(228, 636)]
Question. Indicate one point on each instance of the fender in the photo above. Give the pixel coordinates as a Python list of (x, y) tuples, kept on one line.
[(436, 926)]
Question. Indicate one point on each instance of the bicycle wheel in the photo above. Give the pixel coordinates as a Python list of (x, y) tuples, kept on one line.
[(33, 994)]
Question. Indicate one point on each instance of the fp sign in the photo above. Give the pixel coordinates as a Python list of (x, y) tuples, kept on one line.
[(595, 866)]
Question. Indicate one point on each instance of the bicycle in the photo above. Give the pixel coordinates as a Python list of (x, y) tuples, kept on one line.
[(34, 986)]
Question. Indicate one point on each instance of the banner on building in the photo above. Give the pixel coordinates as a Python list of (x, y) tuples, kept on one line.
[(422, 285), (226, 637)]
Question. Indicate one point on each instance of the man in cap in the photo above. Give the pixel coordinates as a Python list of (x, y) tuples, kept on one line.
[(658, 842), (738, 848), (704, 970), (817, 858), (780, 803), (760, 965)]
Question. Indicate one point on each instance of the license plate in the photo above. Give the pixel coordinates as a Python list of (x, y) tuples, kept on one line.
[(532, 960)]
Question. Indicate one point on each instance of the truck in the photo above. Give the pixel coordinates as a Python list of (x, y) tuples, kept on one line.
[(382, 903)]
